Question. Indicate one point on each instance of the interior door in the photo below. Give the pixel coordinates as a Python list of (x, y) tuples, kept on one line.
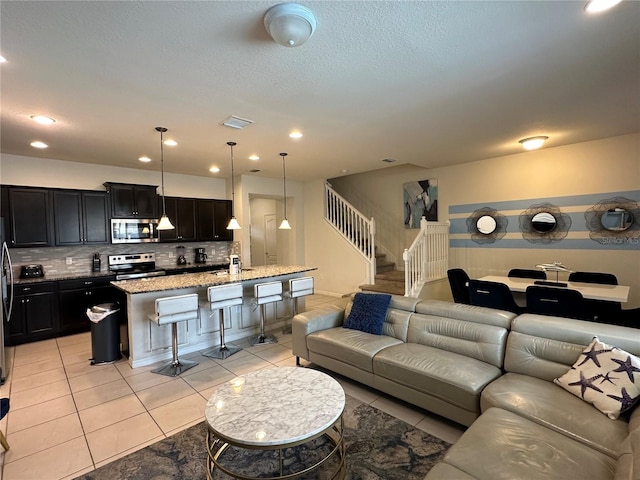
[(270, 240)]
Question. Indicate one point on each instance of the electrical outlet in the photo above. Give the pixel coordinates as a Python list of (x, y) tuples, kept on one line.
[(69, 260)]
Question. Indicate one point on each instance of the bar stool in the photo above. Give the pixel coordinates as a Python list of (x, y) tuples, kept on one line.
[(220, 298), (180, 308), (265, 293), (298, 287)]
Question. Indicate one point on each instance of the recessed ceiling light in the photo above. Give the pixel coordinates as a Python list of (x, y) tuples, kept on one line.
[(532, 143), (295, 134), (43, 120), (255, 170), (38, 144), (214, 169), (389, 160), (2, 59), (254, 157), (145, 159), (170, 143), (344, 171), (597, 6)]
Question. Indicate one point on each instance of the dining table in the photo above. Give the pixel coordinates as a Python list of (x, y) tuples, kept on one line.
[(594, 291)]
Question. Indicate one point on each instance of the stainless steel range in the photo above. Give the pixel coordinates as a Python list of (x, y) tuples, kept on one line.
[(134, 265)]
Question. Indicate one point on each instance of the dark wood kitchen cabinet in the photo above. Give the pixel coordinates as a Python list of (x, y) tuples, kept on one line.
[(133, 201), (80, 217), (30, 219), (182, 213), (213, 218), (75, 296), (34, 315)]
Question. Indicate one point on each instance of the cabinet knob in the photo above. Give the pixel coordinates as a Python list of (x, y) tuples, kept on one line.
[(26, 289)]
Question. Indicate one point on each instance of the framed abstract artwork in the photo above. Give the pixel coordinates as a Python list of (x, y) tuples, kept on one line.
[(420, 200)]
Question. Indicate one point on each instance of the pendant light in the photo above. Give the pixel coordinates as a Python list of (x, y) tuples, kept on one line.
[(164, 223), (233, 223), (285, 223)]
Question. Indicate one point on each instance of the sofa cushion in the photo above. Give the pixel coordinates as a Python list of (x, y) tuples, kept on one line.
[(368, 312), (549, 405), (440, 373), (352, 347), (503, 445), (605, 376), (470, 313), (476, 340)]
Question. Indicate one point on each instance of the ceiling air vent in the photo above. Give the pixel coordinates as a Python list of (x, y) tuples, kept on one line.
[(236, 122)]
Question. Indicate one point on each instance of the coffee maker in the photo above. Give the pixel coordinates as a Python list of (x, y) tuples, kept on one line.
[(201, 257), (180, 258)]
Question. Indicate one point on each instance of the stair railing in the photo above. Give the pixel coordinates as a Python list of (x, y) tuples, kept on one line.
[(354, 227), (427, 258)]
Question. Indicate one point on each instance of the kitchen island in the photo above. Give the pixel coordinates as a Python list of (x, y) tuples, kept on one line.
[(150, 343)]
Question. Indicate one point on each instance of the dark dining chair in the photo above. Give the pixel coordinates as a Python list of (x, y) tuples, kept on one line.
[(593, 277), (599, 310), (459, 282), (557, 302), (492, 295), (524, 273)]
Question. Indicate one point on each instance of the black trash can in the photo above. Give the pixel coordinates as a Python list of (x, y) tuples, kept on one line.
[(105, 332)]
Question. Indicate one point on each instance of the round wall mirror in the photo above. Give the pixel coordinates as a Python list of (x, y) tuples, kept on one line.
[(543, 222), (616, 219), (486, 224)]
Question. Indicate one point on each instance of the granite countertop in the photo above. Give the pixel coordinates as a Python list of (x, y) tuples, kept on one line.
[(205, 279), (54, 277)]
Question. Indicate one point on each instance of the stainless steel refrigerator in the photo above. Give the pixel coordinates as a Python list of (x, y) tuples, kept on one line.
[(6, 273)]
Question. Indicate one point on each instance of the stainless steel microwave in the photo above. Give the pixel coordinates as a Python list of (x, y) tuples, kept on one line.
[(133, 230)]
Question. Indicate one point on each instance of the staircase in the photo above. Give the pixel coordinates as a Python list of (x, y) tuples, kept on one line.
[(387, 279)]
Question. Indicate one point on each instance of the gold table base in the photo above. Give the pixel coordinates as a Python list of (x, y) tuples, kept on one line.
[(335, 434)]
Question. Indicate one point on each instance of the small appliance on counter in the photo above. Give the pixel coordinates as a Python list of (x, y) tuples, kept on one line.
[(234, 264), (201, 257), (181, 259), (95, 265), (31, 271)]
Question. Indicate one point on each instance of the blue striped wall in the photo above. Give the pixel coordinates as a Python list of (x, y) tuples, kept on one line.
[(577, 238)]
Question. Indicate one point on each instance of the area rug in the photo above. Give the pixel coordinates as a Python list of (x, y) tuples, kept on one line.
[(378, 447)]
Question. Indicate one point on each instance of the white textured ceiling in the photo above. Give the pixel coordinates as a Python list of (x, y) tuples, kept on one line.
[(426, 83)]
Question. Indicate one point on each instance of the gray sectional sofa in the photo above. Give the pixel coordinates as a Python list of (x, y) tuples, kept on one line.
[(492, 371)]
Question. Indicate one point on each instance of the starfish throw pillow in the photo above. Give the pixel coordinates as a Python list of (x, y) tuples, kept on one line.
[(605, 376)]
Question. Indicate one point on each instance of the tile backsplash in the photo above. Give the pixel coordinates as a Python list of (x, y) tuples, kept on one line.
[(54, 259)]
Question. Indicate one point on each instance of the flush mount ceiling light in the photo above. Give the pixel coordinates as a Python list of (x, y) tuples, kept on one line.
[(236, 122), (597, 6), (285, 223), (43, 120), (532, 143), (38, 144), (295, 134), (290, 24), (233, 223), (144, 159), (214, 169), (164, 223), (170, 143)]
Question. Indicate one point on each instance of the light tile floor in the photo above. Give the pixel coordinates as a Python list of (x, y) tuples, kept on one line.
[(68, 417)]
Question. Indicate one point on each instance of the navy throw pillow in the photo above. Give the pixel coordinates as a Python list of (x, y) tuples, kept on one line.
[(368, 312)]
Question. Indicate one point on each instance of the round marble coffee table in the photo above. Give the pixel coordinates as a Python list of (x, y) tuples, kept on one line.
[(275, 409)]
